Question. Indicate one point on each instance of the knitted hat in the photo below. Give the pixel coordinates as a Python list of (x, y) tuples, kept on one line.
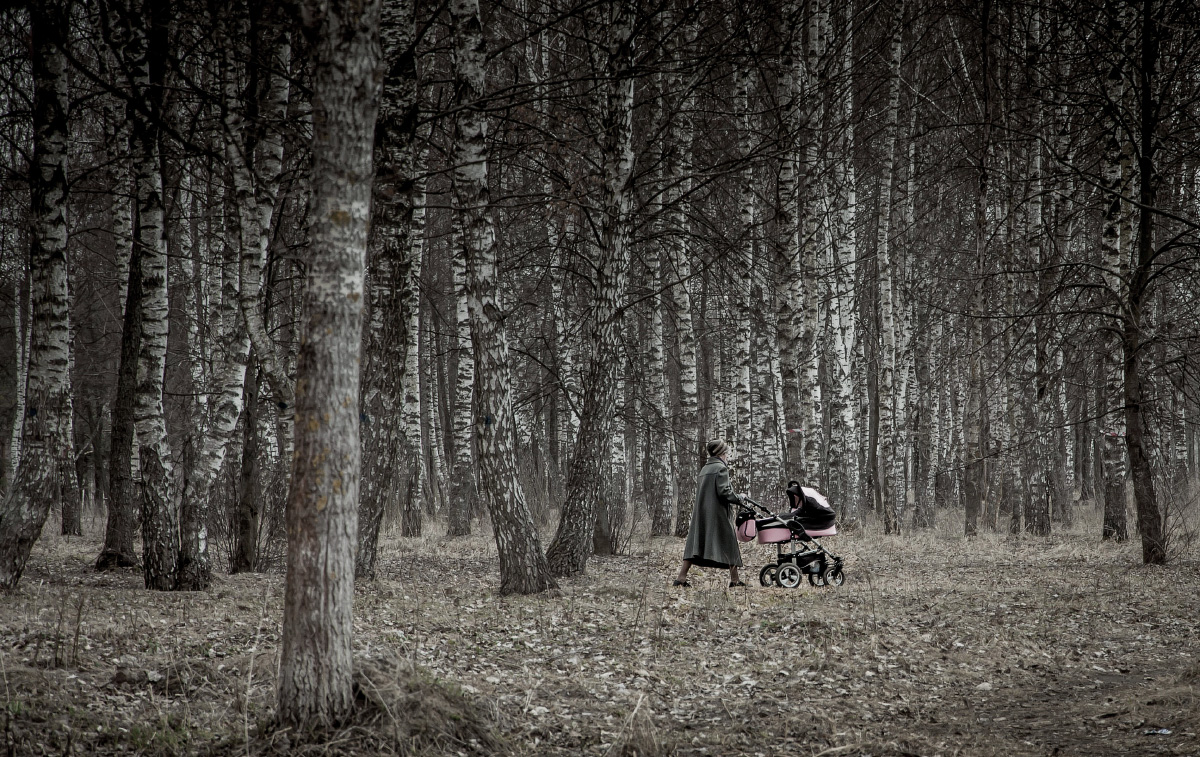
[(717, 448)]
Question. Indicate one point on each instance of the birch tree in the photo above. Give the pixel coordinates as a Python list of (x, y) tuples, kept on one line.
[(45, 471), (1114, 272), (315, 656), (681, 135), (887, 395), (569, 552), (144, 32), (118, 549), (391, 464), (523, 567)]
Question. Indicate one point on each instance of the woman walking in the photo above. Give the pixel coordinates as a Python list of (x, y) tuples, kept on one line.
[(712, 541)]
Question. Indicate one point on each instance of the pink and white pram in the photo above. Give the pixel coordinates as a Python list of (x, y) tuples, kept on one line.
[(799, 530)]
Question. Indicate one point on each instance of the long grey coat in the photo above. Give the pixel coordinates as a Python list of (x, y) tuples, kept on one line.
[(712, 540)]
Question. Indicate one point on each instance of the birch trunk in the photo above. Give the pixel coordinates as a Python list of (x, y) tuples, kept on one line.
[(523, 568), (681, 136), (810, 257), (660, 484), (322, 511), (255, 170), (413, 501), (568, 553), (844, 251), (248, 517), (21, 336), (1037, 516), (742, 304), (118, 550), (973, 412), (45, 469), (1113, 254), (145, 53), (887, 395), (463, 482), (227, 385), (790, 276), (1138, 441), (431, 419), (391, 461)]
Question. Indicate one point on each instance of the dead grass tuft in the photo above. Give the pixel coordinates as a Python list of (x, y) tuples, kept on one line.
[(641, 738), (1191, 675), (424, 714), (399, 710)]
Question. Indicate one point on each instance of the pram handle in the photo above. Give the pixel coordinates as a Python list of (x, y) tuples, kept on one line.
[(755, 505)]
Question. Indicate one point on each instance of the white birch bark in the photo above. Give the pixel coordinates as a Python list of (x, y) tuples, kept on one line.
[(431, 420), (566, 357), (463, 483), (884, 262), (681, 137), (844, 265), (255, 175), (523, 568), (810, 256), (160, 517), (1114, 254), (21, 339), (790, 278), (413, 504), (742, 305), (45, 471), (391, 464), (569, 552), (660, 485)]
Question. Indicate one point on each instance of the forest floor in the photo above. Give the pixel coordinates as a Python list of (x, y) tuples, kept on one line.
[(934, 646)]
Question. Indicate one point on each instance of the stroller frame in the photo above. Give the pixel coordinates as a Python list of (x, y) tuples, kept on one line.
[(809, 556)]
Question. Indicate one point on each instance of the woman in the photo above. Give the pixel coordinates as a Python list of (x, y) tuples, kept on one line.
[(712, 541)]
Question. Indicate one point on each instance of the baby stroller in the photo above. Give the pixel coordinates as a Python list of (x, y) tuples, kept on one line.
[(799, 532)]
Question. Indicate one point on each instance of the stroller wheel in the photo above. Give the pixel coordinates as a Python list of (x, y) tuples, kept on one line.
[(832, 576), (815, 579), (766, 576), (788, 576)]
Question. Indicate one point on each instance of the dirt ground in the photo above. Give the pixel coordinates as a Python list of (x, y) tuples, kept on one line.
[(934, 646)]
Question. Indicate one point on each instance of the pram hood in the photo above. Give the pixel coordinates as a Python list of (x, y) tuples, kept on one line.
[(815, 514)]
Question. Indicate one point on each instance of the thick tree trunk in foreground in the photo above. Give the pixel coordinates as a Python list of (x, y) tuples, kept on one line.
[(569, 552), (523, 568), (322, 513), (46, 469)]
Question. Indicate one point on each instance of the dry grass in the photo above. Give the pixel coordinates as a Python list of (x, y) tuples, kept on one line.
[(935, 645)]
